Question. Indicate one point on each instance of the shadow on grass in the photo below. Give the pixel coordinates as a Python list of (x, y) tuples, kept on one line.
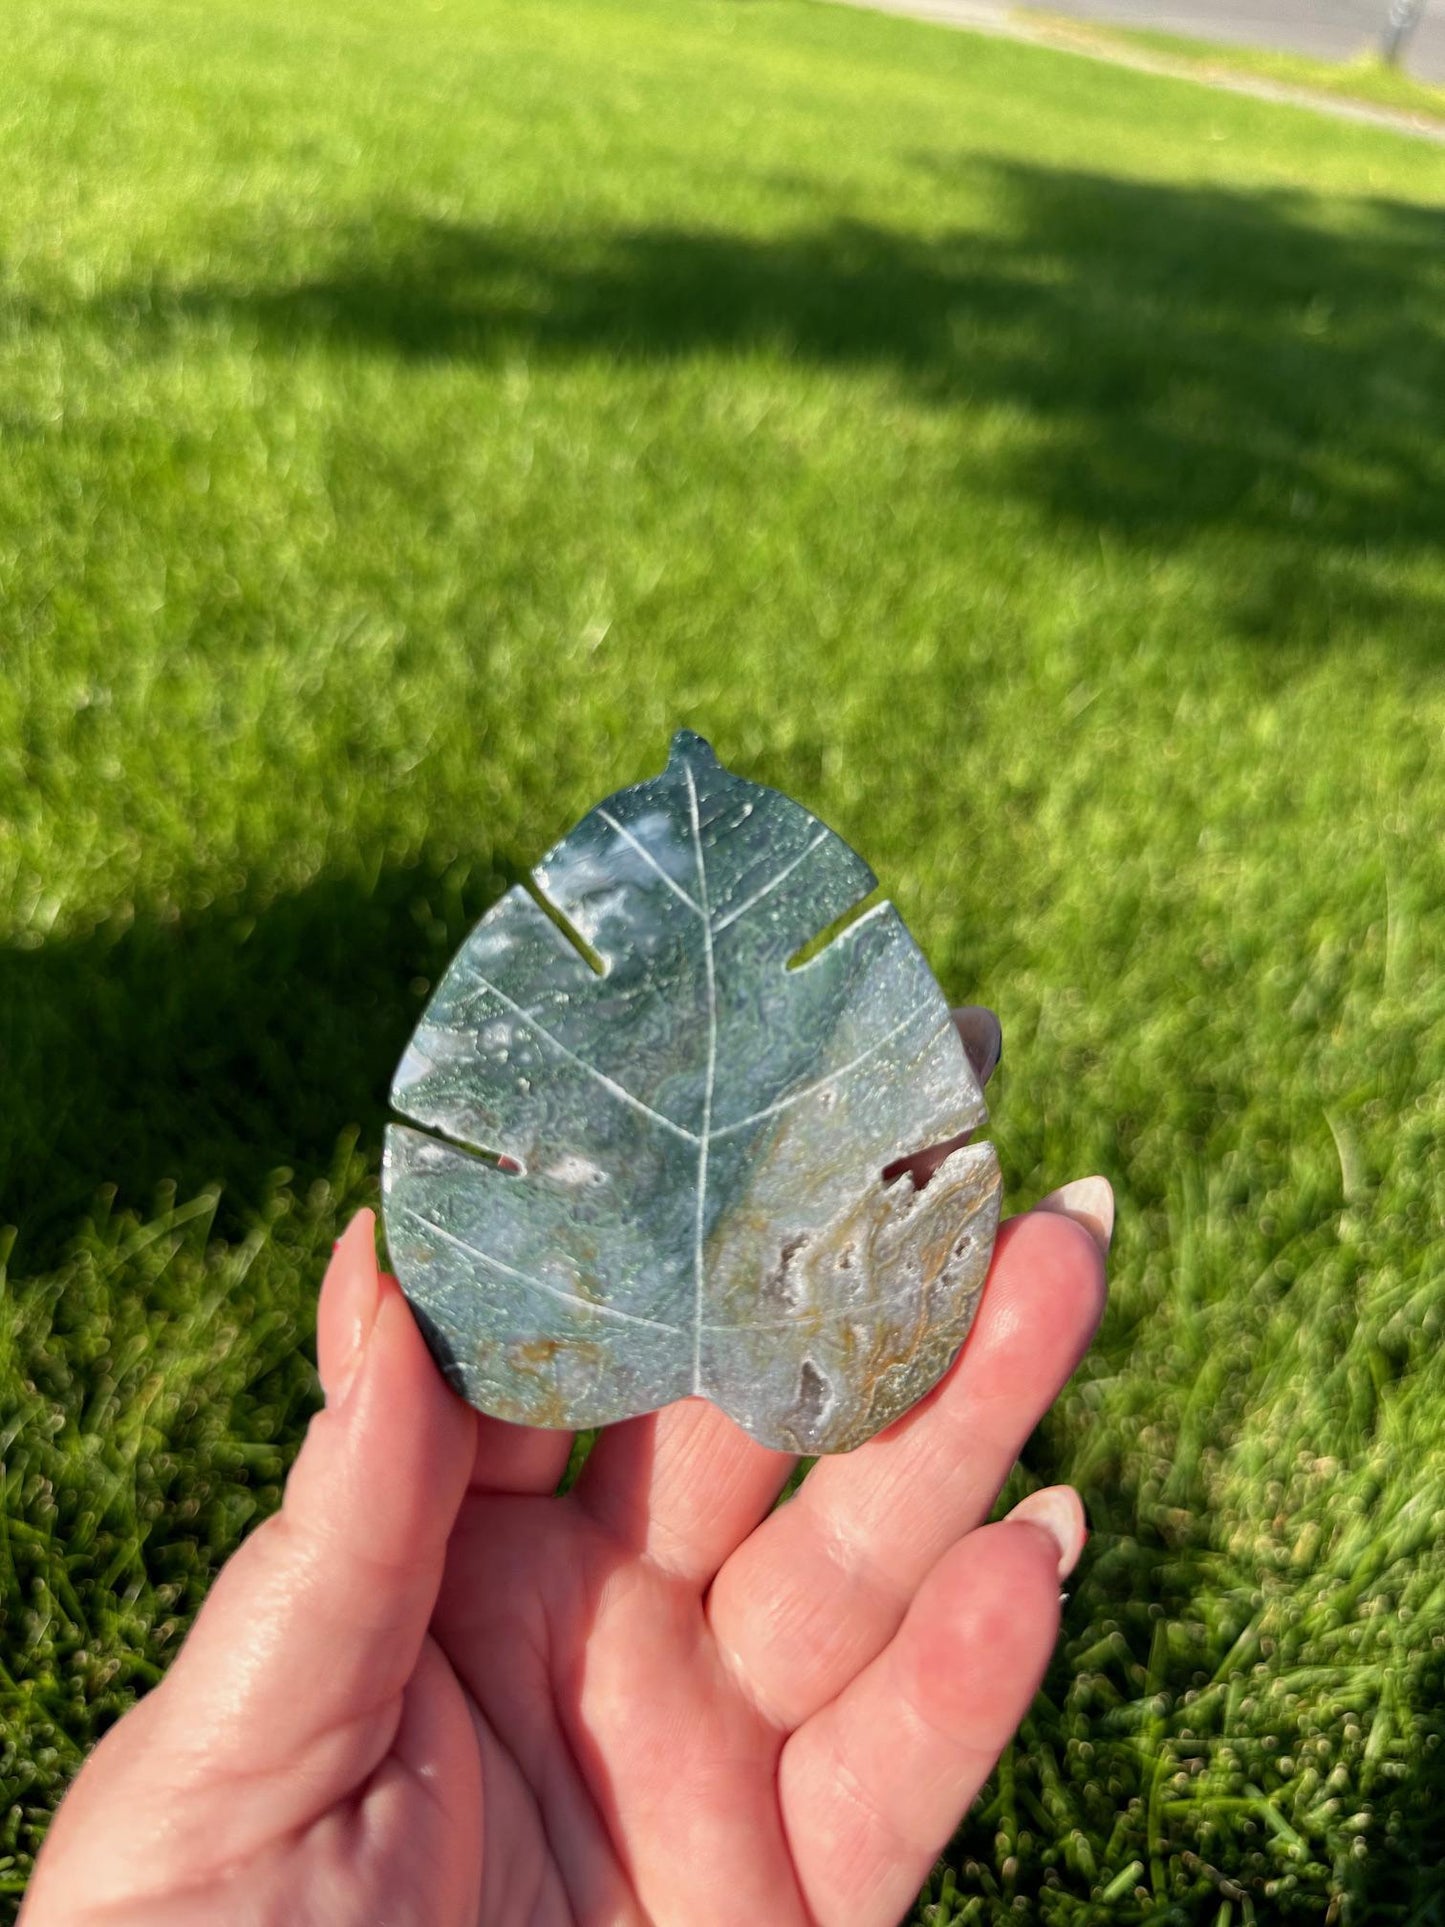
[(1181, 358), (1175, 360), (219, 1047)]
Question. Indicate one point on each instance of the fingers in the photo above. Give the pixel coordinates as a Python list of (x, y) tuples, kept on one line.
[(683, 1486), (518, 1458), (347, 1308), (822, 1585), (508, 1458), (1089, 1202), (873, 1786), (292, 1676)]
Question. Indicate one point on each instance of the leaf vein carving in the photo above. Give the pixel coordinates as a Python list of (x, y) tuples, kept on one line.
[(648, 858), (538, 1284), (607, 1083), (821, 1083), (741, 909)]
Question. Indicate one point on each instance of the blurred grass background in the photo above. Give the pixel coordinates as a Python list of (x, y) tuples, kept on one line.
[(408, 418)]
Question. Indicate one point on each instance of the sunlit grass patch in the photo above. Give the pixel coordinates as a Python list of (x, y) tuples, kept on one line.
[(1036, 468)]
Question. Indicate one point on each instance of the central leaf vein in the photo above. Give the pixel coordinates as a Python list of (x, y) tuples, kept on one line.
[(706, 1127)]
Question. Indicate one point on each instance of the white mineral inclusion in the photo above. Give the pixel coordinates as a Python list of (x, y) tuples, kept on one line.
[(666, 1179), (570, 1170)]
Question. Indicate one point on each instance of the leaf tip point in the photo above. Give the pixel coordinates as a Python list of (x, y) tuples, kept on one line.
[(687, 744)]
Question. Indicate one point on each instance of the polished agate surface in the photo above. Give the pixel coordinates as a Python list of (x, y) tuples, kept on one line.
[(620, 1186)]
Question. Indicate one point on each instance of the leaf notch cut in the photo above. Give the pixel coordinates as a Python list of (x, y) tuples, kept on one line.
[(814, 947), (981, 1035), (594, 962)]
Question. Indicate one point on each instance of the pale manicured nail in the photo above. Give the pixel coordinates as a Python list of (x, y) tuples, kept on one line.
[(355, 1252), (1059, 1510), (1089, 1202)]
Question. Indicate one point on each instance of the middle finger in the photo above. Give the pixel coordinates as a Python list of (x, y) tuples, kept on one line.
[(822, 1585)]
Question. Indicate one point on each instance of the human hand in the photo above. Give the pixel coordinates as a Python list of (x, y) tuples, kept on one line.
[(428, 1691)]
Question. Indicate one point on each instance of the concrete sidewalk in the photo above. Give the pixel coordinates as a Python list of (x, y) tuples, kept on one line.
[(999, 17), (1324, 29)]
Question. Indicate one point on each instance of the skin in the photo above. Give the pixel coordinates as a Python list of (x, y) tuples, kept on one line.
[(429, 1693)]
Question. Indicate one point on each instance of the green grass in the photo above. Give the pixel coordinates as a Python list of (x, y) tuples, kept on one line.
[(1365, 78), (409, 417)]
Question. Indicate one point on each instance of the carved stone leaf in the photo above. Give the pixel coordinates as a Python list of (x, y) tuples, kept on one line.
[(666, 1178)]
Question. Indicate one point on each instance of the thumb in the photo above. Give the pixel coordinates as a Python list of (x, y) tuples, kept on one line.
[(297, 1661)]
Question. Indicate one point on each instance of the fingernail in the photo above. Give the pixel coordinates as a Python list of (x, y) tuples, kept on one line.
[(354, 1256), (981, 1034), (1089, 1202), (1059, 1510)]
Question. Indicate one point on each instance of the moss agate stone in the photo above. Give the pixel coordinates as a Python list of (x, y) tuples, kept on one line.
[(664, 1177)]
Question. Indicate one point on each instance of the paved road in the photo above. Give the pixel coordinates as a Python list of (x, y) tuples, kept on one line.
[(1328, 29)]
